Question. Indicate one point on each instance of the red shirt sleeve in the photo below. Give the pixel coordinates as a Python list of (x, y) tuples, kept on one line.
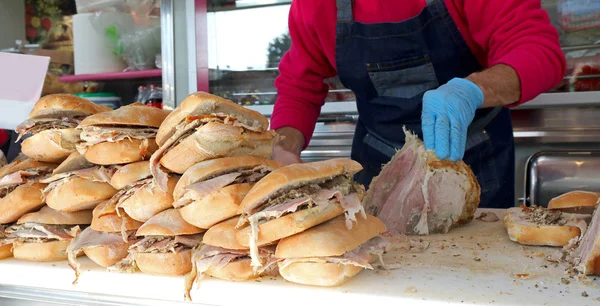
[(3, 137), (518, 33), (300, 87)]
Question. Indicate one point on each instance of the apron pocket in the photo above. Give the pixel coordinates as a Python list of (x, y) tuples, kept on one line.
[(405, 78)]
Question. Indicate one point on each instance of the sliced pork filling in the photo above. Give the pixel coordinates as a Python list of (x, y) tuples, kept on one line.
[(166, 244), (197, 191), (96, 174), (39, 233), (183, 130), (92, 135), (10, 182), (34, 126)]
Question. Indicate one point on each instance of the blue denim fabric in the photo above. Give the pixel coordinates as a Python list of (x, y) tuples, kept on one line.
[(389, 66)]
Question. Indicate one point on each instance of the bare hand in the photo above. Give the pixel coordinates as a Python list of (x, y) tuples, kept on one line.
[(287, 149), (284, 156)]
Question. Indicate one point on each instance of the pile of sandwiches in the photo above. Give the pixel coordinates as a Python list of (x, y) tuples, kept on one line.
[(570, 221), (190, 191)]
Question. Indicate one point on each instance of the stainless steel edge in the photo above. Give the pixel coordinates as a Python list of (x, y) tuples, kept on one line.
[(167, 53), (17, 295), (329, 108)]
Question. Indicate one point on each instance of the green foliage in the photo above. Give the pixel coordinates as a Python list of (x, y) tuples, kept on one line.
[(277, 48)]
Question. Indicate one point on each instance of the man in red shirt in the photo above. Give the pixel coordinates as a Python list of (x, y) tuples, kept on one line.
[(445, 69)]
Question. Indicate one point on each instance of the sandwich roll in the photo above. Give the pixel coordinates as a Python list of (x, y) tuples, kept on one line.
[(52, 123), (20, 188), (206, 127), (45, 235), (575, 201), (138, 197), (296, 197), (166, 246), (542, 227), (121, 136), (329, 254), (5, 243), (211, 191), (222, 257), (106, 219), (77, 184)]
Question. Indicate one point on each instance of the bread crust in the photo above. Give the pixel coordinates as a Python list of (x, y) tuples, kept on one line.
[(539, 235), (215, 207), (202, 103), (290, 224), (57, 105), (236, 271), (120, 152), (167, 223), (6, 251), (331, 238), (146, 203), (296, 175), (79, 194), (318, 274), (24, 199), (173, 264), (223, 235), (47, 215), (577, 198), (130, 173), (73, 162), (107, 255), (52, 146), (215, 140), (41, 252), (110, 222), (136, 114), (24, 164), (208, 168)]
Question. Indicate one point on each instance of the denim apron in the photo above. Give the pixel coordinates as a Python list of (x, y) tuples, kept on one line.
[(389, 66)]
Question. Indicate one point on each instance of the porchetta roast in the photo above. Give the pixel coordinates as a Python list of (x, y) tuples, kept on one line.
[(416, 193)]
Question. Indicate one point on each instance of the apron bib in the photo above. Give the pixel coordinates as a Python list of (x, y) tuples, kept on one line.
[(389, 66)]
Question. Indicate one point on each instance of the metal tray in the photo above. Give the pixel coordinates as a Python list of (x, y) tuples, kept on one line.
[(552, 173)]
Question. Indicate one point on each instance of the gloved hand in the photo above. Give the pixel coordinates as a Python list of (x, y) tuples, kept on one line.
[(447, 113)]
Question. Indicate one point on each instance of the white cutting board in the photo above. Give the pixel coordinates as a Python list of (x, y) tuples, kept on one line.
[(448, 272)]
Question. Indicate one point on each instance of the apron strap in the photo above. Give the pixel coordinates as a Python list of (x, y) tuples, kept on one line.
[(344, 11)]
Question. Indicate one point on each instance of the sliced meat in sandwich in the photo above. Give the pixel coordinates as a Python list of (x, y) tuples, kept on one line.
[(586, 257), (207, 127), (543, 227), (107, 219), (165, 247), (222, 257), (52, 123), (416, 193), (581, 202), (138, 196), (296, 197), (330, 254), (21, 189), (46, 234), (106, 247), (121, 136), (6, 243), (76, 184), (211, 191)]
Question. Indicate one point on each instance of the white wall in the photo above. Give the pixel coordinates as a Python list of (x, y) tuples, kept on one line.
[(12, 22)]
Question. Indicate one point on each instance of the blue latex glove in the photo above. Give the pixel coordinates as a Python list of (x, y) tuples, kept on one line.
[(447, 113)]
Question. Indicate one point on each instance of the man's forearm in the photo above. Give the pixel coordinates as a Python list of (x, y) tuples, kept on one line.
[(500, 85), (292, 139)]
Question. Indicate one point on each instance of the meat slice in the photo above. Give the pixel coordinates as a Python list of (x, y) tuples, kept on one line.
[(587, 255), (418, 194), (201, 189)]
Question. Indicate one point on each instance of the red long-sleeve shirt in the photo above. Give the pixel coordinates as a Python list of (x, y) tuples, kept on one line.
[(517, 33)]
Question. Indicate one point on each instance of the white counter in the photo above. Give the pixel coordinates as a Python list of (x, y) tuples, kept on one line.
[(475, 264)]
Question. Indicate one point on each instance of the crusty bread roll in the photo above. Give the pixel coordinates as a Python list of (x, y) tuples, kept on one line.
[(79, 194), (6, 251), (47, 215), (575, 199), (147, 202), (135, 114), (25, 198), (121, 152), (329, 239), (41, 252), (236, 271), (295, 175), (214, 140), (223, 235), (107, 255), (64, 105), (167, 223), (51, 146), (73, 162), (522, 227), (164, 263), (105, 219), (222, 203), (201, 103), (26, 164), (129, 174)]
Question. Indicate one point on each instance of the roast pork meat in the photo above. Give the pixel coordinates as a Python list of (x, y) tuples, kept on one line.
[(587, 255), (418, 194)]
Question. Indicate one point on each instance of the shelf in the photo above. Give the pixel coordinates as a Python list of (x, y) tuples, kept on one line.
[(240, 5), (110, 76)]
